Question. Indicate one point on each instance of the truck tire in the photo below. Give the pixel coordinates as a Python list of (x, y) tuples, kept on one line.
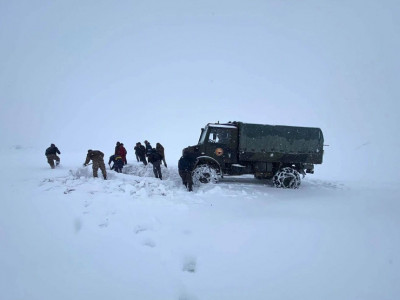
[(204, 174), (287, 178)]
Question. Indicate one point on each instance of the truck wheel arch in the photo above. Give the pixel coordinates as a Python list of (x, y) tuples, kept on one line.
[(207, 160)]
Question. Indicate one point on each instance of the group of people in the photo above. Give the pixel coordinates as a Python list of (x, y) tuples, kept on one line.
[(146, 154), (142, 152)]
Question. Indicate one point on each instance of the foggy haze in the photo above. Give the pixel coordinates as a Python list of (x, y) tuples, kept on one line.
[(85, 74)]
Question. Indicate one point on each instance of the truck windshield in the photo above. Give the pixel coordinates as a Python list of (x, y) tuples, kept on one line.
[(203, 135)]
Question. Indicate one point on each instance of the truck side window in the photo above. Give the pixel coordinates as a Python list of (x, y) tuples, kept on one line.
[(219, 135), (212, 138)]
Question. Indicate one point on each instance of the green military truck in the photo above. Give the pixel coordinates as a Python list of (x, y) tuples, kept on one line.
[(280, 153)]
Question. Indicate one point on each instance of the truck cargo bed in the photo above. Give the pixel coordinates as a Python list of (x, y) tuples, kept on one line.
[(275, 143)]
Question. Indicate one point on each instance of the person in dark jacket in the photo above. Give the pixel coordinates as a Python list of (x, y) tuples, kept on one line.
[(118, 163), (185, 166), (136, 148), (116, 152), (148, 148), (98, 162), (160, 150), (155, 160), (51, 154), (122, 152), (140, 152)]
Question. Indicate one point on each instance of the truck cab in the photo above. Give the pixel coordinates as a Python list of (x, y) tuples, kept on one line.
[(220, 142)]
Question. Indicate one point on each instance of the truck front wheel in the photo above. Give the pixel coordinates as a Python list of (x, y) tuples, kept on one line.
[(204, 174), (287, 178)]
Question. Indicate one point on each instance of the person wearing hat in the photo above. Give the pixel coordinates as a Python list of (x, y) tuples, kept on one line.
[(97, 157), (51, 154)]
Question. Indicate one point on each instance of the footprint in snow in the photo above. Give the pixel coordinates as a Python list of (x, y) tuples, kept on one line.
[(149, 243), (67, 191), (189, 265), (140, 229), (104, 224)]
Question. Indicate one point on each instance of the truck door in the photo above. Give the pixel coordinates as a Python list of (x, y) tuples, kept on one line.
[(223, 144)]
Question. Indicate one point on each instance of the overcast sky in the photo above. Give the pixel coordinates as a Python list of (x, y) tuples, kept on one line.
[(84, 74)]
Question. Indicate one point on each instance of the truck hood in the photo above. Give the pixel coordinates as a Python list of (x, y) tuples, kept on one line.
[(196, 149)]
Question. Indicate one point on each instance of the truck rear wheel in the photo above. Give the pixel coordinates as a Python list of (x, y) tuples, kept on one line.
[(287, 178), (204, 174)]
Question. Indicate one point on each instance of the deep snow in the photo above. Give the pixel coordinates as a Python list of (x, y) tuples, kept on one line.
[(66, 235), (84, 75)]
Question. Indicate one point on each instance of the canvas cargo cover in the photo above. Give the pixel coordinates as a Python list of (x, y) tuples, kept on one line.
[(274, 142)]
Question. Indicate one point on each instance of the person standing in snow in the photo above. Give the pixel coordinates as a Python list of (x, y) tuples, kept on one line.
[(118, 163), (137, 152), (140, 152), (160, 150), (155, 160), (98, 162), (51, 154), (122, 152), (185, 166), (116, 152), (148, 148)]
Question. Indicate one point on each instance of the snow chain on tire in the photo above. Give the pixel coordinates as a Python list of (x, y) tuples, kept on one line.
[(287, 178), (204, 174)]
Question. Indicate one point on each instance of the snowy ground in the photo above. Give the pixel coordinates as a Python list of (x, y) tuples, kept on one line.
[(66, 235)]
